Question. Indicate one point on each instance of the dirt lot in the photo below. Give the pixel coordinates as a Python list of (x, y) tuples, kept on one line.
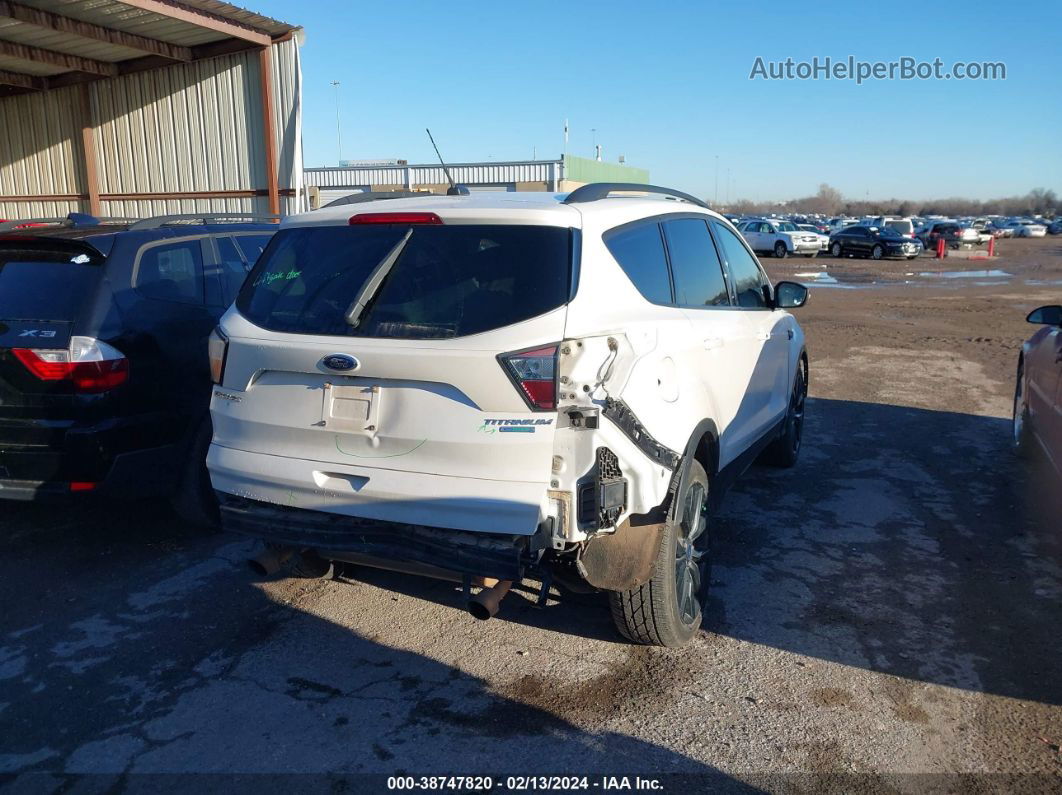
[(885, 616)]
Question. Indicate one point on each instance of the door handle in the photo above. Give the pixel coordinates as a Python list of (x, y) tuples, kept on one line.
[(711, 343)]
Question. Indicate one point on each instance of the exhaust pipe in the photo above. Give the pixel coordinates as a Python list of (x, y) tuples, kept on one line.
[(270, 561), (484, 605)]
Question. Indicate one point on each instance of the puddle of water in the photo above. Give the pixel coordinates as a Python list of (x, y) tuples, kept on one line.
[(989, 274), (821, 277), (1044, 282)]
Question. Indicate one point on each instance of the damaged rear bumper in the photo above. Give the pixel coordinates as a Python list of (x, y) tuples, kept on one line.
[(417, 549)]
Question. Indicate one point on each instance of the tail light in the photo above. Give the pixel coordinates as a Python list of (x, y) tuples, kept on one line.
[(535, 373), (217, 350), (90, 365)]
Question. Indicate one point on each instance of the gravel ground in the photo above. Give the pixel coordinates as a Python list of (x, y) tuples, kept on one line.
[(885, 616)]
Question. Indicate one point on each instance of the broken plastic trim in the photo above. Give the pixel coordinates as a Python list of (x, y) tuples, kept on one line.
[(621, 414)]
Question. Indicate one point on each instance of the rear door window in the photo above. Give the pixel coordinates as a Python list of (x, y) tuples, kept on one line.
[(695, 265), (639, 250), (449, 280), (172, 271), (233, 268), (745, 272), (252, 246), (41, 284)]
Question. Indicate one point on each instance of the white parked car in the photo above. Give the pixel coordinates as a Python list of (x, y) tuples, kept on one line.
[(780, 238), (824, 240), (491, 386), (1023, 227)]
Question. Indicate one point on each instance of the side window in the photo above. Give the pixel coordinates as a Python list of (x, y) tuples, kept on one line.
[(252, 246), (744, 270), (695, 265), (640, 252), (172, 272), (233, 269)]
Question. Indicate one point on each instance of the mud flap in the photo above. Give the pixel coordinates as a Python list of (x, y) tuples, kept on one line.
[(624, 559)]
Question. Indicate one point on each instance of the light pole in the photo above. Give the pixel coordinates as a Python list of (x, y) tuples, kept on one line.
[(715, 201), (339, 128)]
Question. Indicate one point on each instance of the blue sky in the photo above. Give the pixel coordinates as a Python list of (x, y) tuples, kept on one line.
[(667, 85)]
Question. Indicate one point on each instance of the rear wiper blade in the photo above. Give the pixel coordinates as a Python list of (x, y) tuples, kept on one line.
[(372, 284)]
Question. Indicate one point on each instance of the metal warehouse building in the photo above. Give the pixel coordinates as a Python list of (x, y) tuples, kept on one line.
[(146, 107), (564, 174)]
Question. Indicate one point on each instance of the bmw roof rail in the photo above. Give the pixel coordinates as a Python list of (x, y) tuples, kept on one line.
[(373, 195), (602, 190), (204, 218), (72, 220)]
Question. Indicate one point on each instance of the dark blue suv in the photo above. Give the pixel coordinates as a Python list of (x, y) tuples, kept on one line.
[(104, 376)]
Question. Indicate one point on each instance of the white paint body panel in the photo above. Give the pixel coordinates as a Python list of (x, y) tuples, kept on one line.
[(290, 432)]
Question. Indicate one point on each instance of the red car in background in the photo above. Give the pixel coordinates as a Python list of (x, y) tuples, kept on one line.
[(1038, 393)]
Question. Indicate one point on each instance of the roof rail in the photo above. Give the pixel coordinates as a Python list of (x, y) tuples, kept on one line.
[(371, 196), (602, 190), (205, 218), (73, 220)]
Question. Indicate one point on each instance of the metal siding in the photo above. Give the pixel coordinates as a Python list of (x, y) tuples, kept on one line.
[(186, 128), (40, 152)]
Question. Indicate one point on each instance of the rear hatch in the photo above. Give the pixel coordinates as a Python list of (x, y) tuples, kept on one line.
[(50, 375), (402, 369)]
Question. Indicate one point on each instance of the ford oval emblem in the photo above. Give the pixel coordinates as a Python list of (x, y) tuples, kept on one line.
[(339, 361)]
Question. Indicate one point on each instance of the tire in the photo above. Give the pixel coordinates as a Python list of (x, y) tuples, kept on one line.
[(1020, 431), (780, 250), (877, 252), (666, 611), (195, 501), (784, 451), (836, 251)]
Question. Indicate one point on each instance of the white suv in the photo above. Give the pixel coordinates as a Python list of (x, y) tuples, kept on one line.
[(781, 238), (490, 386)]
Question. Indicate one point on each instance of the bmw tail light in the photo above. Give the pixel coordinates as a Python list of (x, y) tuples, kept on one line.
[(217, 350), (89, 365), (535, 373)]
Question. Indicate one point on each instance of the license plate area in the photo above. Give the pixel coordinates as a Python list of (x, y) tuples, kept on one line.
[(353, 409)]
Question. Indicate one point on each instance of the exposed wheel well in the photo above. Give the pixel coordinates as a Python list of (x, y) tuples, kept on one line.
[(707, 453)]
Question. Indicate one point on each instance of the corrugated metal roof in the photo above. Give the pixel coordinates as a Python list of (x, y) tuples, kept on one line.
[(119, 16)]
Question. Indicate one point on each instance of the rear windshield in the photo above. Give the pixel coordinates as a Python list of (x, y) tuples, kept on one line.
[(449, 281), (42, 284)]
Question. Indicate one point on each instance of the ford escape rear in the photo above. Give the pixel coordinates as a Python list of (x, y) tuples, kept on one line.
[(497, 385)]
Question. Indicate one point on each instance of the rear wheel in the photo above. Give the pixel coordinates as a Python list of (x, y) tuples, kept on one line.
[(835, 250), (195, 501), (666, 611), (780, 250), (785, 450), (877, 252)]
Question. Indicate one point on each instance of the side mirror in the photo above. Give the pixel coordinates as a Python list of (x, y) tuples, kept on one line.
[(790, 295), (1046, 316)]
